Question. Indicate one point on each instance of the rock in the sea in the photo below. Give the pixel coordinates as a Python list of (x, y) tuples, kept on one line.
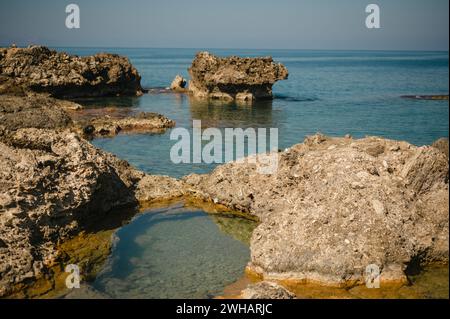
[(266, 290), (426, 97), (43, 112), (338, 205), (234, 77), (178, 84), (144, 122), (40, 69)]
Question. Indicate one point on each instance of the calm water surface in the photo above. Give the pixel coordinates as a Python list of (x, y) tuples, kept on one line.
[(333, 92), (176, 253)]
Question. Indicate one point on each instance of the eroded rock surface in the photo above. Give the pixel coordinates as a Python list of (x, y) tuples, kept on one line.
[(442, 145), (40, 69), (144, 122), (337, 205), (34, 112), (43, 112), (233, 77), (53, 183)]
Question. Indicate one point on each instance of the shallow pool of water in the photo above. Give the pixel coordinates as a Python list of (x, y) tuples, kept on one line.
[(176, 253)]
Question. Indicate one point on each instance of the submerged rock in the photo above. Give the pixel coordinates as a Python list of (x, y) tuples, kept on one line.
[(338, 205), (266, 290), (233, 77), (40, 69), (85, 292), (426, 97)]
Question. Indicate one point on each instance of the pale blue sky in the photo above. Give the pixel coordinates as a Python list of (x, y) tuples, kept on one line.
[(281, 24)]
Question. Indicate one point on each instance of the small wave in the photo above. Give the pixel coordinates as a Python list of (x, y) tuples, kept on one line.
[(294, 99), (157, 90)]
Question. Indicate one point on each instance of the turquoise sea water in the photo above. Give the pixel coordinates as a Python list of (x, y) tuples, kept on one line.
[(332, 92), (179, 253), (176, 253)]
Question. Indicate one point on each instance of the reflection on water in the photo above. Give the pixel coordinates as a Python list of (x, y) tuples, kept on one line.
[(123, 101), (222, 114), (332, 92), (176, 253)]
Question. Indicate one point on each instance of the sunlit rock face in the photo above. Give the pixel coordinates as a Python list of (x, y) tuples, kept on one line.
[(40, 69), (234, 78), (338, 205), (54, 183)]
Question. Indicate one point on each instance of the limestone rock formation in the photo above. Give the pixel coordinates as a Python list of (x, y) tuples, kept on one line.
[(442, 145), (40, 111), (144, 122), (53, 183), (234, 77), (40, 69), (34, 112), (338, 205)]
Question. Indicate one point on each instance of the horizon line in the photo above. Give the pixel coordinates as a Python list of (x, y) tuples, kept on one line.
[(221, 48)]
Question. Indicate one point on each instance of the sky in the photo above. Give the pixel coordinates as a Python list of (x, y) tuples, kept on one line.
[(246, 24)]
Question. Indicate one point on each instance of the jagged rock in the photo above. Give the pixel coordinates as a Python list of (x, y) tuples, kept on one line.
[(40, 111), (337, 205), (144, 122), (53, 183), (178, 84), (156, 188), (40, 69), (34, 112), (9, 86), (266, 290), (442, 145), (234, 77)]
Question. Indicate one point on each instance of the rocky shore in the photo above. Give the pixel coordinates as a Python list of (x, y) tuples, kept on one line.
[(337, 205), (53, 183), (39, 69), (234, 78), (333, 206)]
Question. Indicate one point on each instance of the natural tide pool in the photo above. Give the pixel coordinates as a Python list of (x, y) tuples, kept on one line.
[(177, 252)]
